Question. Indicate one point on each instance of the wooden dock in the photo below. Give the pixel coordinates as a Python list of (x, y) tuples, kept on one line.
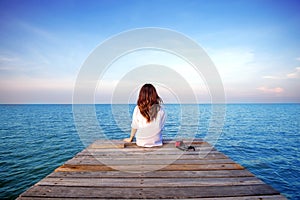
[(114, 170)]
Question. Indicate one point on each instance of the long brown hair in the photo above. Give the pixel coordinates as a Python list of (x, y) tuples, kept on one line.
[(149, 102)]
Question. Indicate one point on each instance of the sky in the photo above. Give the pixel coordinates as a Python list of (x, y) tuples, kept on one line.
[(254, 45)]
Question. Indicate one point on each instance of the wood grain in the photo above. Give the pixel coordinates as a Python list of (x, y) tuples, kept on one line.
[(117, 170)]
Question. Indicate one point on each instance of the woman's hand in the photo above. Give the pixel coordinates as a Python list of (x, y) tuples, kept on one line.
[(133, 131), (127, 140)]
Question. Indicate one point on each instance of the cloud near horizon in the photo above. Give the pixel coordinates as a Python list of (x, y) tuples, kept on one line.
[(44, 44), (276, 90), (292, 75)]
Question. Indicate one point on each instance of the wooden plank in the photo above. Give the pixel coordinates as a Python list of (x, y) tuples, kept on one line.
[(141, 161), (157, 155), (151, 193), (171, 142), (256, 197), (137, 148), (120, 144), (148, 152), (154, 174), (105, 146), (145, 168), (133, 146), (130, 172), (113, 155), (149, 182)]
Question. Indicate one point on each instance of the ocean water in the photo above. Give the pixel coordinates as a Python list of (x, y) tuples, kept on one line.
[(36, 139)]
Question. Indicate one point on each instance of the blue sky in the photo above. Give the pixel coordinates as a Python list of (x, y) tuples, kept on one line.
[(254, 44)]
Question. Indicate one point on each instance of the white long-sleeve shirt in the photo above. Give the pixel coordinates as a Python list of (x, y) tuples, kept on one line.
[(148, 134)]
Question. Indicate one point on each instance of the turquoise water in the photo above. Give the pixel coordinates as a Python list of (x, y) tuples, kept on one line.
[(36, 139)]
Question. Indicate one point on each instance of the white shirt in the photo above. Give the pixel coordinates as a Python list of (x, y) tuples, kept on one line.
[(148, 134)]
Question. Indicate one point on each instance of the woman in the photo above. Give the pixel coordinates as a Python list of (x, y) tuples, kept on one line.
[(148, 118)]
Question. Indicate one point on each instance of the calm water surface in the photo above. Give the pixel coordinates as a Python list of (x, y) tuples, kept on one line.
[(36, 139)]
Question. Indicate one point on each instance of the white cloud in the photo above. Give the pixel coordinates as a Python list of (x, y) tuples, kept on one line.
[(272, 77), (292, 75), (7, 59)]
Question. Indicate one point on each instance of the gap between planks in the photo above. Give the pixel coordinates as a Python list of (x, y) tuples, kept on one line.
[(205, 173)]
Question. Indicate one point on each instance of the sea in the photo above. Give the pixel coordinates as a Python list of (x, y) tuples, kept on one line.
[(36, 139)]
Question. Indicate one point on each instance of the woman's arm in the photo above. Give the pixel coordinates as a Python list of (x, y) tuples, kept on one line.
[(132, 134)]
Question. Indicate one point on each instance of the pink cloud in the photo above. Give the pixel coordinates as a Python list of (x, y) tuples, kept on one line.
[(295, 74), (276, 90)]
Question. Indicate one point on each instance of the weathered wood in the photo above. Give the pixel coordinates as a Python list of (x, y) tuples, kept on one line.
[(149, 182), (167, 147), (139, 161), (160, 155), (113, 169), (148, 152), (167, 143), (150, 193), (154, 174), (145, 168), (210, 156), (258, 197)]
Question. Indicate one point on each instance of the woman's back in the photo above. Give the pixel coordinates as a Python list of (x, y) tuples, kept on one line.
[(148, 118), (148, 133)]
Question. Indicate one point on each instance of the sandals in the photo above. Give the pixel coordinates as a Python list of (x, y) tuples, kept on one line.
[(180, 145)]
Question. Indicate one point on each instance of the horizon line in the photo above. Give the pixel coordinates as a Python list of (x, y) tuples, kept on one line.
[(202, 103)]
